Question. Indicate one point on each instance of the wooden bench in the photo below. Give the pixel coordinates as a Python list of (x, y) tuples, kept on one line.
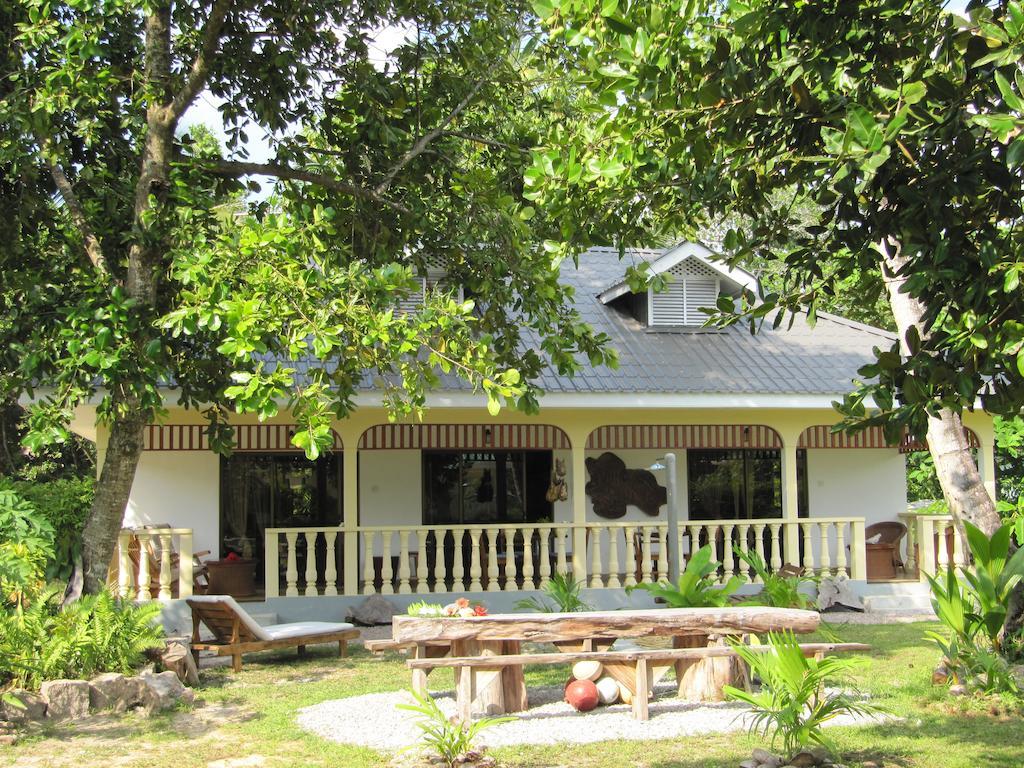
[(637, 670)]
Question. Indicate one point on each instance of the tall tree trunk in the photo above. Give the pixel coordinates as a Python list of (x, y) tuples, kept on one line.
[(955, 466), (113, 488)]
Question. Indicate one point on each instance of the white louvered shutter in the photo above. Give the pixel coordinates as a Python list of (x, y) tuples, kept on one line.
[(414, 300), (694, 285)]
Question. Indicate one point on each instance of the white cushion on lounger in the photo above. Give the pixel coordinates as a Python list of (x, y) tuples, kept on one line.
[(300, 628), (247, 621)]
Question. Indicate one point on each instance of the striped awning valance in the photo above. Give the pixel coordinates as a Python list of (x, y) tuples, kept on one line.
[(822, 436), (663, 437), (248, 437), (464, 437)]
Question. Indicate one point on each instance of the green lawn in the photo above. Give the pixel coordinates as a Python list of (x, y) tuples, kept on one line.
[(253, 714)]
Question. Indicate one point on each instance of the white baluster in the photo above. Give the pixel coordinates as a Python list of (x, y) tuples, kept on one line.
[(330, 563), (369, 544), (403, 563), (744, 567), (825, 566), (663, 544), (422, 584), (632, 566), (808, 548), (959, 556), (560, 558), (528, 582), (545, 556), (125, 571), (511, 583), (912, 548), (165, 566), (492, 560), (387, 571), (291, 574), (185, 564), (943, 559), (841, 549), (729, 559), (776, 542), (145, 581), (646, 563), (596, 574), (474, 561), (759, 549), (310, 574), (459, 564), (613, 559)]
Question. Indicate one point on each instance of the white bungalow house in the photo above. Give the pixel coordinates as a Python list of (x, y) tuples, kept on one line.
[(464, 503)]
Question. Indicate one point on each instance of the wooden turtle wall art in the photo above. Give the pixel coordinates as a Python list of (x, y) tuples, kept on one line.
[(612, 487)]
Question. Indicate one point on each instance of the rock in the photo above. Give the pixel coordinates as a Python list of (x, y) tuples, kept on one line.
[(941, 675), (373, 610), (750, 764), (113, 690), (766, 759), (163, 691), (807, 758), (835, 591), (958, 690), (8, 739), (179, 660), (66, 699), (32, 709)]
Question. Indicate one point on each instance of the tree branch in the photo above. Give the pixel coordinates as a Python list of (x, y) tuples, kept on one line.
[(93, 248), (486, 142), (424, 141), (200, 68), (235, 169)]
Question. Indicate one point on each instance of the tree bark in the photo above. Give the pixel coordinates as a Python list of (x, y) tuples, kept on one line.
[(955, 466), (112, 491)]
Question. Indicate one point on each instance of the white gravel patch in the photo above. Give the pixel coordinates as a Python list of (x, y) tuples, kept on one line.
[(375, 721)]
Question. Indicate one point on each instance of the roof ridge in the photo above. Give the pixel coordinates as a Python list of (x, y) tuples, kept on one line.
[(856, 324)]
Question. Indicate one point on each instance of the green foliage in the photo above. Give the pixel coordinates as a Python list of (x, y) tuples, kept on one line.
[(777, 591), (698, 585), (64, 503), (973, 605), (564, 591), (859, 114), (424, 609), (449, 739), (793, 704), (42, 641), (26, 543)]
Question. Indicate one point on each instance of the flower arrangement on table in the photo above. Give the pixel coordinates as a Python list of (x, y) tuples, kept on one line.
[(461, 608)]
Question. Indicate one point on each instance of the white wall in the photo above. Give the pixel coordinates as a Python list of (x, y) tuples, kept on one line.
[(863, 482), (181, 488), (390, 488)]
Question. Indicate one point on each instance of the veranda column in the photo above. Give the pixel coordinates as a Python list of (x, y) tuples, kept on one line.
[(790, 497), (578, 494), (350, 509), (987, 462)]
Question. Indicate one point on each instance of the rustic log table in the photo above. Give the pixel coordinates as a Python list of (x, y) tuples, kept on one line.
[(502, 688)]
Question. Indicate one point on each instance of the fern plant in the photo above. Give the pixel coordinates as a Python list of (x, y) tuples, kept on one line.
[(698, 585), (450, 739), (42, 641), (564, 591), (792, 704)]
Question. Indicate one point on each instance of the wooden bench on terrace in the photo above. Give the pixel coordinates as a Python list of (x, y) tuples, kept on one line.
[(637, 670)]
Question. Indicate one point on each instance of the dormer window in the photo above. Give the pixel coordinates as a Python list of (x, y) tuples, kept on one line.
[(693, 286), (436, 279), (696, 278)]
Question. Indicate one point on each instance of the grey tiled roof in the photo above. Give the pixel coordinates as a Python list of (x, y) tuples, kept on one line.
[(801, 360)]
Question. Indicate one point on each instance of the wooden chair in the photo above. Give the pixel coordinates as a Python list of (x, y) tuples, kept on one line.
[(889, 533), (154, 553), (236, 632)]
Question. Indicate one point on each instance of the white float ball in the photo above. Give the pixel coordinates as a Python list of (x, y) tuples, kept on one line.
[(626, 694), (587, 670), (608, 690)]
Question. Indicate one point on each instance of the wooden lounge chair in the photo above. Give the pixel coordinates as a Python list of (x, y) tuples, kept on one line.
[(236, 632)]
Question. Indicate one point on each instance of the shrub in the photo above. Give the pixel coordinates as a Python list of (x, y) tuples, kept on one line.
[(777, 591), (42, 641), (450, 739), (792, 703), (26, 540), (697, 587), (564, 591), (65, 504)]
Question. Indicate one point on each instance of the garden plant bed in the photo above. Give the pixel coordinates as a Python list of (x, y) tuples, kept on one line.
[(265, 700)]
